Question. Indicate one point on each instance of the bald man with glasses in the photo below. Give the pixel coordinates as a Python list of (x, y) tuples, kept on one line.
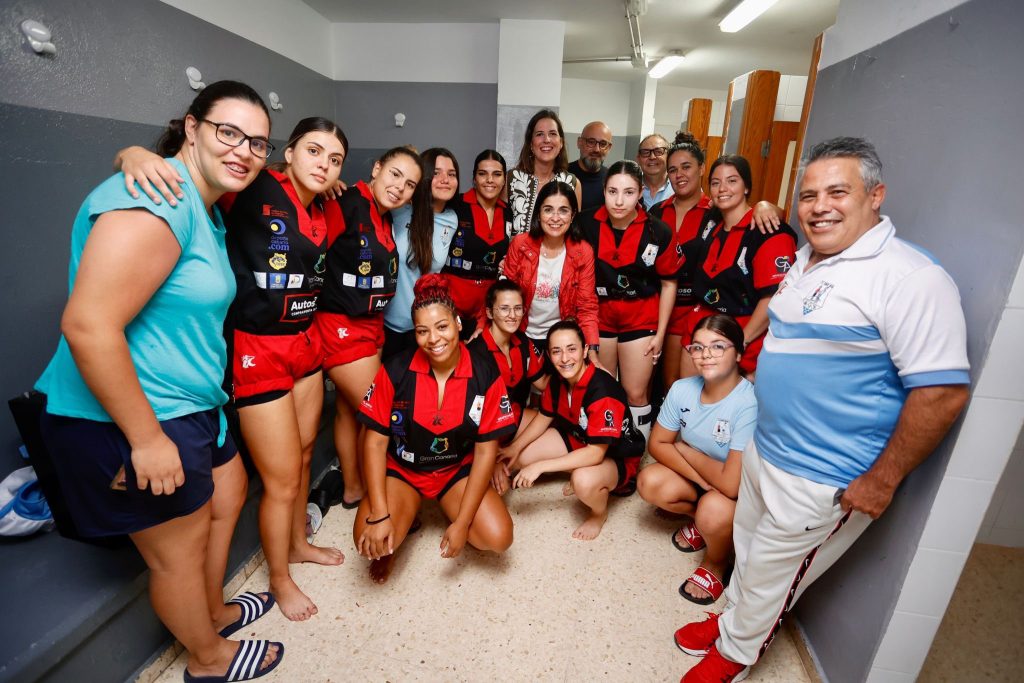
[(594, 144)]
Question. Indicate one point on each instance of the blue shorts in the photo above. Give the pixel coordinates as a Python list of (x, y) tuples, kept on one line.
[(88, 455)]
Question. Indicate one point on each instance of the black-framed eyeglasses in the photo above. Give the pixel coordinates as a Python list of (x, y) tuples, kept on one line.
[(594, 142), (656, 152), (233, 137), (716, 349)]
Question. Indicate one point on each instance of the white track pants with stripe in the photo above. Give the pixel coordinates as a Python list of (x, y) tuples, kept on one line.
[(787, 531)]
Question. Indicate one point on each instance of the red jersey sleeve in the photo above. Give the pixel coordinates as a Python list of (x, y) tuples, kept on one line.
[(375, 409), (772, 261), (604, 420), (547, 403), (498, 420)]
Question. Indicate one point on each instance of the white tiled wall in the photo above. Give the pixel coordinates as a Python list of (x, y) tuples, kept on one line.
[(991, 428), (790, 100)]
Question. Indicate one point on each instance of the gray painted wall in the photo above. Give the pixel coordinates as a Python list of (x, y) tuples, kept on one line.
[(63, 117), (458, 116), (732, 142), (941, 104)]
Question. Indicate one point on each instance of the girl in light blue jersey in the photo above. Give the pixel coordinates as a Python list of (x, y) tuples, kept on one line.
[(698, 441)]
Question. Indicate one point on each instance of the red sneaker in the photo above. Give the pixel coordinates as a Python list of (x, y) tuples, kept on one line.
[(698, 637), (715, 668)]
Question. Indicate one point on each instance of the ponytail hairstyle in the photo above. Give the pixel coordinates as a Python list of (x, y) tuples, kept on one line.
[(173, 138), (421, 228), (501, 286), (489, 155), (312, 124), (686, 142), (430, 289), (569, 324), (626, 167)]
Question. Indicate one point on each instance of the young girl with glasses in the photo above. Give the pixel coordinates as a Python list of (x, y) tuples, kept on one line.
[(698, 440)]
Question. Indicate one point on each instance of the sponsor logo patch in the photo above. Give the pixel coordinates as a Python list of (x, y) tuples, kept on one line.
[(294, 280), (476, 410), (278, 261), (248, 361), (276, 280), (818, 297)]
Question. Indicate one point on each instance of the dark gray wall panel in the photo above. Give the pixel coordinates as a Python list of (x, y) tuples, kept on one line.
[(939, 102), (458, 116), (126, 59)]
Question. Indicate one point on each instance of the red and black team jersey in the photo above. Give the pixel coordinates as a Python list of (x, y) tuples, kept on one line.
[(402, 403), (478, 245), (630, 263), (526, 367), (690, 239), (362, 260), (740, 267), (596, 412), (276, 248)]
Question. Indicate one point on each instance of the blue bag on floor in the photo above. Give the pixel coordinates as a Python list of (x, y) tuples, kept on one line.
[(23, 509)]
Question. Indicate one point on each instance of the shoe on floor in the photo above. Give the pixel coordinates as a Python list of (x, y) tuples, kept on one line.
[(246, 664), (715, 668), (698, 637)]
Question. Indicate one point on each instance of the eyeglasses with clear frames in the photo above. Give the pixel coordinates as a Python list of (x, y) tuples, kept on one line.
[(594, 142), (715, 349), (506, 310), (233, 137), (656, 152)]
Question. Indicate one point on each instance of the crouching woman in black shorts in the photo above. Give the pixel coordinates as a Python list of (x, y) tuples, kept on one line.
[(435, 416), (583, 428)]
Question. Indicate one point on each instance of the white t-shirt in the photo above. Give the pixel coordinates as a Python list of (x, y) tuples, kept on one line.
[(544, 311)]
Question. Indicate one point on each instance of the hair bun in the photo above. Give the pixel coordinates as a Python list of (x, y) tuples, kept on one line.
[(429, 282), (686, 137)]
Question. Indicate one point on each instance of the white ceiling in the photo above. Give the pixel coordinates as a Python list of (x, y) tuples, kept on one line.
[(780, 39)]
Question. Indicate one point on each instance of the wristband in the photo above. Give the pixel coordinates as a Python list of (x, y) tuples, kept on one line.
[(378, 521)]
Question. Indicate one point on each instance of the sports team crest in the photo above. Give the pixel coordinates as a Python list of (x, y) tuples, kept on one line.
[(817, 298)]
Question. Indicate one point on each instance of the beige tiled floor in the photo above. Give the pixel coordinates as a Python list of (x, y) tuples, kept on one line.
[(551, 609), (981, 635)]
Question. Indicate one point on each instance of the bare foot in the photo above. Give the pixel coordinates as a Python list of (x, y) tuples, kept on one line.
[(219, 666), (591, 527), (232, 613), (380, 569), (292, 601), (307, 552), (568, 490)]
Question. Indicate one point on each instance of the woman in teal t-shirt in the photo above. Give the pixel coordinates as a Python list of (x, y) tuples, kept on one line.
[(133, 418), (714, 414)]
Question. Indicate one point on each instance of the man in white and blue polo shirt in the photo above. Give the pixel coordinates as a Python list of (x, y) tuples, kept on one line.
[(864, 370)]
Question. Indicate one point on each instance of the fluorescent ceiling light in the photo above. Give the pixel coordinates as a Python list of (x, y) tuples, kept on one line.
[(745, 12), (665, 65)]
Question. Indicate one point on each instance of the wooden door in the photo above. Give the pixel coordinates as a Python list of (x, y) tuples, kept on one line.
[(781, 148)]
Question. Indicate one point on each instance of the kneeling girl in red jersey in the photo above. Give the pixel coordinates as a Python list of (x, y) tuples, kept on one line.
[(583, 428), (435, 415)]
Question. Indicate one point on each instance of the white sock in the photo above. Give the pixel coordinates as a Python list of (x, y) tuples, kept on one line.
[(642, 419)]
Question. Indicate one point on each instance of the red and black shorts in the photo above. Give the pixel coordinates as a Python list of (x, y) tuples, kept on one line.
[(433, 484), (265, 367), (680, 324), (628, 319), (748, 362), (346, 339)]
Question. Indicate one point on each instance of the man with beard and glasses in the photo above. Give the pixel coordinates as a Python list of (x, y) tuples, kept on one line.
[(594, 144)]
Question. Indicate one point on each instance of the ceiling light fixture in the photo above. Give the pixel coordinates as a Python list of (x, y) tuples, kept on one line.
[(743, 14), (665, 65)]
